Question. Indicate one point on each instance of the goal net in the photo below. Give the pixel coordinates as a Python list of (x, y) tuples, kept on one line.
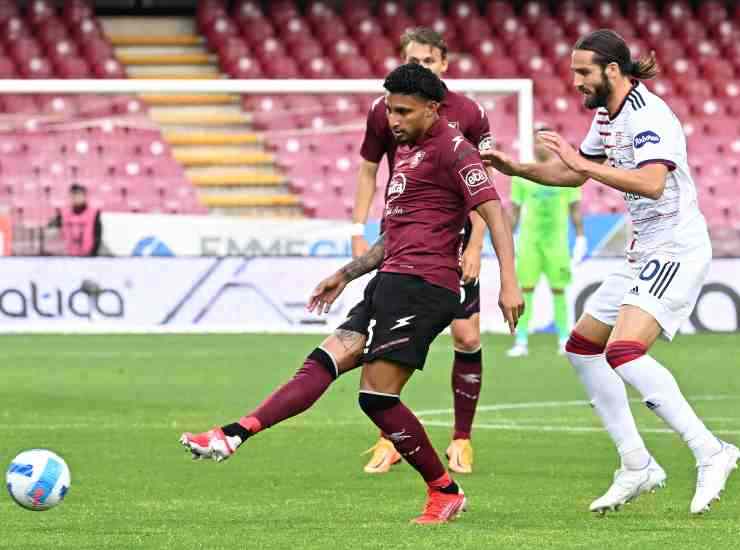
[(268, 148)]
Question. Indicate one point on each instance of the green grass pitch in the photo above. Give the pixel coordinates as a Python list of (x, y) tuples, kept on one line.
[(114, 407)]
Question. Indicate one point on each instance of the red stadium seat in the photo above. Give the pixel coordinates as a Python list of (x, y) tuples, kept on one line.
[(473, 31), (690, 31), (7, 68), (62, 50), (488, 47), (664, 87), (464, 67), (677, 11), (282, 11), (548, 27), (247, 10), (268, 50), (319, 68), (72, 67), (355, 67), (39, 11), (604, 12), (717, 70), (109, 68), (379, 49), (318, 10), (682, 70), (355, 11), (426, 12), (330, 32), (711, 12), (729, 90), (579, 27), (304, 51), (497, 12), (669, 49), (244, 67), (461, 11), (511, 31), (51, 31), (256, 30), (504, 67), (8, 10), (549, 86), (281, 66), (36, 67), (75, 11), (389, 10), (25, 48)]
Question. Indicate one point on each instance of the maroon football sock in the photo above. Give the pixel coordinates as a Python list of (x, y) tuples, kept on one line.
[(466, 384), (406, 433), (294, 397)]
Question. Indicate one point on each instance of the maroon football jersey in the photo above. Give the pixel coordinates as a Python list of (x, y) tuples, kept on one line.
[(433, 186)]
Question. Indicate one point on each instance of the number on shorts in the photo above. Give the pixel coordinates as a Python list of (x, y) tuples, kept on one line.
[(662, 276), (370, 334)]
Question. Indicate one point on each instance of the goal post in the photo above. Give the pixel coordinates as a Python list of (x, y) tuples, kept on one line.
[(522, 88)]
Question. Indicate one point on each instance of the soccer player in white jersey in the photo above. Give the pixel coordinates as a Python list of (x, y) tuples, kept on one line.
[(636, 145)]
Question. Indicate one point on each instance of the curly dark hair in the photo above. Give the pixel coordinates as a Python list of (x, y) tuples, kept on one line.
[(413, 79)]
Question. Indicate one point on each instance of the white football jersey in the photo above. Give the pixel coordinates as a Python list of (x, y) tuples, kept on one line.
[(645, 131)]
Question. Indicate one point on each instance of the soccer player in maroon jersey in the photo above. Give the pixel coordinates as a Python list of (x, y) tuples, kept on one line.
[(427, 47), (437, 178)]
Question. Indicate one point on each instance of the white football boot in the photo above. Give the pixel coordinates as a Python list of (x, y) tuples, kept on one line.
[(628, 485), (711, 476), (519, 350)]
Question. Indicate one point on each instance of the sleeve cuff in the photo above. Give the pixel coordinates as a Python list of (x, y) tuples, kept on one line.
[(668, 163), (587, 156)]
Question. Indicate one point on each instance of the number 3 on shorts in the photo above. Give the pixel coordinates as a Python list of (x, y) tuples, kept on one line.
[(370, 334)]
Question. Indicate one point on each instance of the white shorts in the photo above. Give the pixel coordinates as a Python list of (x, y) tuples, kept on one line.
[(664, 285)]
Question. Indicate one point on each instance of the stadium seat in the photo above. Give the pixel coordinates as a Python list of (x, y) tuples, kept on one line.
[(711, 12), (256, 30), (690, 31), (246, 10), (498, 12)]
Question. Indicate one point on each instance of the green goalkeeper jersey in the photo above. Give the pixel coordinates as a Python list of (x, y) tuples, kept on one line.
[(544, 214)]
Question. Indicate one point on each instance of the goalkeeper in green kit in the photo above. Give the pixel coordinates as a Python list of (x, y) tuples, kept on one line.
[(541, 214)]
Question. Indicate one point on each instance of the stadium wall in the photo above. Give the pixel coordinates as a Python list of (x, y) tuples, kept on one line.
[(235, 294)]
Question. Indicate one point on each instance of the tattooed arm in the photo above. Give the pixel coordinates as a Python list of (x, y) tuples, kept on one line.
[(330, 288), (366, 263)]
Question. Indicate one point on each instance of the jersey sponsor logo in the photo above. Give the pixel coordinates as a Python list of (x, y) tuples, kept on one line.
[(485, 144), (475, 177), (403, 322), (646, 137), (457, 140), (418, 157), (396, 186)]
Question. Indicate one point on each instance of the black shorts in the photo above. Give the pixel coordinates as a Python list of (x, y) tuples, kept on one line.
[(469, 300), (401, 315)]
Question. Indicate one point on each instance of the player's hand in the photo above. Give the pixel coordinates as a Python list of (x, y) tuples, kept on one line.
[(359, 246), (325, 293), (511, 302), (470, 263), (500, 161), (555, 143)]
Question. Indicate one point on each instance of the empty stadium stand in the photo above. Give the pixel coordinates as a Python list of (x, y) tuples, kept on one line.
[(296, 154)]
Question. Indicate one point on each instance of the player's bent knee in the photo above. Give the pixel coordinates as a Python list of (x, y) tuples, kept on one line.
[(326, 360), (580, 345), (371, 403), (623, 351), (467, 345)]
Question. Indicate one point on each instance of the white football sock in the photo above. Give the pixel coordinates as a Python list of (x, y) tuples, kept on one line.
[(661, 394), (608, 397)]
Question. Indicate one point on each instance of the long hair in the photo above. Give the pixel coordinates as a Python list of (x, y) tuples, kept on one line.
[(609, 47)]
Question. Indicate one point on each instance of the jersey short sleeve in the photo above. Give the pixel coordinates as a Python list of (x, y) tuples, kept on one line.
[(467, 171), (479, 133), (653, 137), (592, 147), (373, 144), (517, 191)]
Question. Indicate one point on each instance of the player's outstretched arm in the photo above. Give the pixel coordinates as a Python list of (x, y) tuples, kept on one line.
[(511, 301), (554, 172), (328, 290), (648, 181), (366, 181)]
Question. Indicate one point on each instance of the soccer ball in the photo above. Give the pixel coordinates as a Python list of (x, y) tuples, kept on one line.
[(38, 479)]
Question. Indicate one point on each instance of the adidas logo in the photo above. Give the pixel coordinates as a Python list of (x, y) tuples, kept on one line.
[(635, 291)]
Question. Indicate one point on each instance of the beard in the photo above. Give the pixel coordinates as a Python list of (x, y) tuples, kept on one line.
[(600, 95)]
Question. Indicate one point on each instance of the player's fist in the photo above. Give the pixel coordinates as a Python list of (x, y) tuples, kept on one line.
[(326, 292), (359, 246), (500, 161), (470, 264)]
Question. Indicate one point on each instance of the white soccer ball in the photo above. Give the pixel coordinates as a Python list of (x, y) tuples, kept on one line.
[(38, 479)]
